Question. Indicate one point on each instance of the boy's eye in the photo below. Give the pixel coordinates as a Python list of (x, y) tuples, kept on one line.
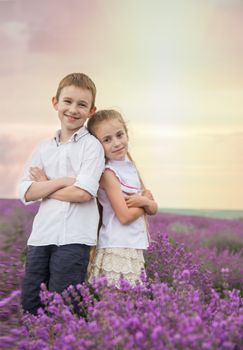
[(82, 105), (120, 134), (67, 101), (106, 140)]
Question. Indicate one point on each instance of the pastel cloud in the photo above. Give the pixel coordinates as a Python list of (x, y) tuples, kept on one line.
[(195, 167), (50, 27), (182, 167), (15, 148), (172, 65)]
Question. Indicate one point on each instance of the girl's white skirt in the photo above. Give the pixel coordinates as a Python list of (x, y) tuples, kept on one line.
[(112, 262)]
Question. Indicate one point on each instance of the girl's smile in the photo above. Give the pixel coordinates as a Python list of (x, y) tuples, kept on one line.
[(114, 139)]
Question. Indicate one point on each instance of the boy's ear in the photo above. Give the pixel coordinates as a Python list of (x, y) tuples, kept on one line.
[(54, 102), (92, 111)]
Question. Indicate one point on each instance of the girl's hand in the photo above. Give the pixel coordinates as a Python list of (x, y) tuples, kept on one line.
[(37, 174), (147, 194), (135, 200), (144, 200)]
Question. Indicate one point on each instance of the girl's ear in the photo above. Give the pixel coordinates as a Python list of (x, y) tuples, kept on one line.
[(54, 102)]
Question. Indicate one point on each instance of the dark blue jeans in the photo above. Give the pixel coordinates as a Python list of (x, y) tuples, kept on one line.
[(56, 266)]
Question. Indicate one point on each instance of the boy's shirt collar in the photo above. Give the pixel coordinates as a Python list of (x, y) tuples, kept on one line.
[(74, 138)]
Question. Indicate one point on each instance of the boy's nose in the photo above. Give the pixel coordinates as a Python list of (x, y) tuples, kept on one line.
[(72, 109)]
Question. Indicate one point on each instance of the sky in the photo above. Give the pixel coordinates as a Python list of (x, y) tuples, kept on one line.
[(172, 68)]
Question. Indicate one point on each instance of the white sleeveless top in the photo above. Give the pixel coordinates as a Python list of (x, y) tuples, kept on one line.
[(112, 233)]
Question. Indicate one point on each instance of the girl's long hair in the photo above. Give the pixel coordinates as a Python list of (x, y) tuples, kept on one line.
[(111, 114)]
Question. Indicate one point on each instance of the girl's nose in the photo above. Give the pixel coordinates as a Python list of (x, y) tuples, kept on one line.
[(116, 142)]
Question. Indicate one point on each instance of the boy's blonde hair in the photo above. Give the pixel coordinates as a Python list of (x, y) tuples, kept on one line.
[(102, 115), (79, 80)]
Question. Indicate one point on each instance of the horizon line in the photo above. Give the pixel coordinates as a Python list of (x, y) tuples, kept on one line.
[(160, 208)]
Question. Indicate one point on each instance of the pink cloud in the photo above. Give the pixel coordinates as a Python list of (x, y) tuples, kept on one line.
[(55, 26), (227, 26)]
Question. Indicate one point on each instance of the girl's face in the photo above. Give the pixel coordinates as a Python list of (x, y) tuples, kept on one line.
[(114, 139)]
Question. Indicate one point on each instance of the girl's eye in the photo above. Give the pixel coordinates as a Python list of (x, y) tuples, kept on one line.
[(120, 134), (67, 101), (106, 140)]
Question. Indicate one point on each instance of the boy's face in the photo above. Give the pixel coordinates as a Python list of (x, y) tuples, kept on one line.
[(73, 107)]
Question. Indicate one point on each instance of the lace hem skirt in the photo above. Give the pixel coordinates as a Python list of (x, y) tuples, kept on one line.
[(112, 262)]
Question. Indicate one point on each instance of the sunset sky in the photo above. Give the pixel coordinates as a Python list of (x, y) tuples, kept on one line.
[(174, 69)]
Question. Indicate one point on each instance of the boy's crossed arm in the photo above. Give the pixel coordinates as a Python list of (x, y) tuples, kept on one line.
[(71, 194), (61, 189)]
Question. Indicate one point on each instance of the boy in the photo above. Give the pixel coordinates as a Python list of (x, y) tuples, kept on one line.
[(68, 168)]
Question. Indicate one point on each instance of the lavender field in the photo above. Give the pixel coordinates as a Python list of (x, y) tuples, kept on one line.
[(191, 297)]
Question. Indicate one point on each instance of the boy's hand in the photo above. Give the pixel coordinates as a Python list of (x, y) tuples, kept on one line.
[(37, 174)]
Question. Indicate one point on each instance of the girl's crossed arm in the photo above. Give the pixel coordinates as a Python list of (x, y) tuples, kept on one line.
[(110, 184), (144, 200)]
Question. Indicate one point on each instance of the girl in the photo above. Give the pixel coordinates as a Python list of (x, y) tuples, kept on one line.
[(123, 233)]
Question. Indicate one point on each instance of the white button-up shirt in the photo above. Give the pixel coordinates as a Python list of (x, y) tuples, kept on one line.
[(58, 222)]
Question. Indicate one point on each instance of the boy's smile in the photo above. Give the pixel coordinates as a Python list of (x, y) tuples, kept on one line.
[(73, 107)]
